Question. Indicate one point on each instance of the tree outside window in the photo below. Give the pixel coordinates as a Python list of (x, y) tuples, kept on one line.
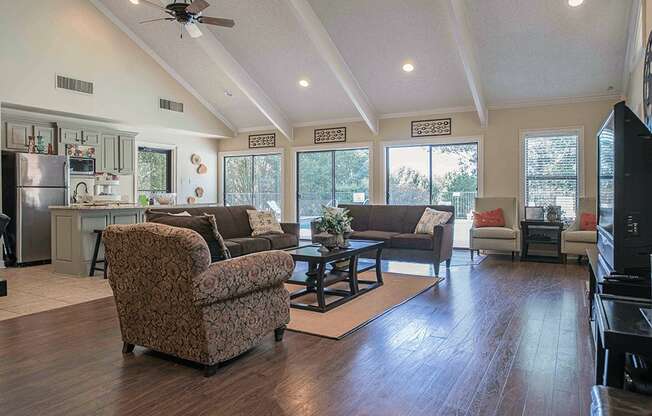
[(154, 171)]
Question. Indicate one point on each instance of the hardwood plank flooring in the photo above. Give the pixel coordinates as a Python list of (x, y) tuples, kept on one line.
[(501, 337)]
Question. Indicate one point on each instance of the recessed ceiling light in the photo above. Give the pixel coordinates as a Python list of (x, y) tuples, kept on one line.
[(228, 93), (134, 1), (575, 3), (408, 67), (304, 83)]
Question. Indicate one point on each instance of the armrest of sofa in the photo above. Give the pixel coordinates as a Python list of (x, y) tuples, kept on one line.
[(237, 277), (443, 241), (290, 228)]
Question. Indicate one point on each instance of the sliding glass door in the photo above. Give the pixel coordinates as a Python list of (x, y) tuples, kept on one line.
[(254, 180), (329, 178), (445, 174)]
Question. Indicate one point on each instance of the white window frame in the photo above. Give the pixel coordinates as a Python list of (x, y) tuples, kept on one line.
[(369, 146), (251, 152), (479, 140), (563, 131), (174, 163)]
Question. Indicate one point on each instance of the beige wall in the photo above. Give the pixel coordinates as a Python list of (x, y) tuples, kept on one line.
[(72, 38), (501, 142)]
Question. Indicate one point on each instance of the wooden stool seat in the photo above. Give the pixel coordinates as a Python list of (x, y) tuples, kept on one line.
[(96, 251)]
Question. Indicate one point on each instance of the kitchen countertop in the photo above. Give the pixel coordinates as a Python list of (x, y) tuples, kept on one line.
[(89, 207)]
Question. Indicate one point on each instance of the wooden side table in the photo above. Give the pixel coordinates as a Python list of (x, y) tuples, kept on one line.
[(544, 233)]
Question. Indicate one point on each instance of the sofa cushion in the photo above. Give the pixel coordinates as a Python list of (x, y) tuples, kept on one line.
[(252, 244), (373, 235), (234, 248), (412, 241), (204, 225), (588, 221), (281, 241), (263, 222), (494, 218), (359, 215), (581, 236), (498, 233), (387, 218), (430, 219)]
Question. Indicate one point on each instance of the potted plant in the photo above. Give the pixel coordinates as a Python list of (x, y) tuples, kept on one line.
[(334, 227)]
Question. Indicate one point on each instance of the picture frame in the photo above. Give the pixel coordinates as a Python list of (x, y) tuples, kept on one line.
[(258, 141), (330, 135), (431, 128)]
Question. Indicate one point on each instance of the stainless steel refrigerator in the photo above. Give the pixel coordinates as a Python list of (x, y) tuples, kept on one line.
[(30, 184)]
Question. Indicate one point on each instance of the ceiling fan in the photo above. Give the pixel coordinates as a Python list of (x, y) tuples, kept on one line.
[(188, 14)]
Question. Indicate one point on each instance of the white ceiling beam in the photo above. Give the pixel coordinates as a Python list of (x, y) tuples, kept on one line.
[(241, 78), (166, 67), (331, 55), (461, 33)]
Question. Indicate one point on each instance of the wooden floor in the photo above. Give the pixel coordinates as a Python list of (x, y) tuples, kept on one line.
[(497, 338)]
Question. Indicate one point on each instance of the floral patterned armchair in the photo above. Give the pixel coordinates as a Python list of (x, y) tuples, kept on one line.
[(170, 298)]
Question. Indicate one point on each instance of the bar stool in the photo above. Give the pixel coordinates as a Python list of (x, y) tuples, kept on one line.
[(96, 251)]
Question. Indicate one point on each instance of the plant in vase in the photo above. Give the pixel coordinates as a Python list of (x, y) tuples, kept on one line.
[(334, 226)]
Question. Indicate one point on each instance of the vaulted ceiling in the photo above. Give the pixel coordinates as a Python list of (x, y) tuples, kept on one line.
[(467, 54)]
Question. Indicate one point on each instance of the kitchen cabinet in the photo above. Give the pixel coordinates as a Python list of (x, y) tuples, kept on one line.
[(107, 154), (90, 138), (17, 135), (47, 133), (126, 155), (70, 136)]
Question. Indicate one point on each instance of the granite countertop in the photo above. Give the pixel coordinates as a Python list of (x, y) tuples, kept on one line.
[(88, 207)]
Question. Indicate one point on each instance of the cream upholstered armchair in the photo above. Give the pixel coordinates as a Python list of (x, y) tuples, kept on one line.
[(507, 238), (575, 241)]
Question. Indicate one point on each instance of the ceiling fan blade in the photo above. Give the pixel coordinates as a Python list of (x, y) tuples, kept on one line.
[(156, 20), (216, 21), (197, 6), (152, 4)]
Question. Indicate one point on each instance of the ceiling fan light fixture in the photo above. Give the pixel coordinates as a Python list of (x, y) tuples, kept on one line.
[(193, 30)]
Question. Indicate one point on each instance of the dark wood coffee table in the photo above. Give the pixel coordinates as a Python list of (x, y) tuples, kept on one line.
[(318, 279)]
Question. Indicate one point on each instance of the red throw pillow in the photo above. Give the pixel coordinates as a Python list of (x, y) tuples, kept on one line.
[(588, 221), (493, 218)]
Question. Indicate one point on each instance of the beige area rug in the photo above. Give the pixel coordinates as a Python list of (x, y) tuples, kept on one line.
[(38, 289), (351, 316)]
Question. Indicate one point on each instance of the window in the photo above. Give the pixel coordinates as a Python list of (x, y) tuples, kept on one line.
[(254, 180), (154, 171), (445, 174), (329, 178), (551, 166)]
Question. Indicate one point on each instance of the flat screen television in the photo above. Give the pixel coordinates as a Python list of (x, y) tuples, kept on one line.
[(624, 193)]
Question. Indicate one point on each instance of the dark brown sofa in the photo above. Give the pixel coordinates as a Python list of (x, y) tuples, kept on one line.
[(233, 225), (395, 225)]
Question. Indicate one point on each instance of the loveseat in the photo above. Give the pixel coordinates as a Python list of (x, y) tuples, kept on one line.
[(233, 224), (170, 298), (395, 224)]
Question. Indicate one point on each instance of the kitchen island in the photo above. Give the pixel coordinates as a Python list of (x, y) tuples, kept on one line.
[(73, 233)]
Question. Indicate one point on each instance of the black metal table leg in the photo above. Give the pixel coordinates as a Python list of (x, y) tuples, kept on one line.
[(96, 252), (321, 298), (353, 275), (379, 273)]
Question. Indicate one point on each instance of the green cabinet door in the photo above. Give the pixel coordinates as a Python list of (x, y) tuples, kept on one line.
[(107, 158)]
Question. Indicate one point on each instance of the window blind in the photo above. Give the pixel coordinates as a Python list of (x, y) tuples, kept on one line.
[(551, 171)]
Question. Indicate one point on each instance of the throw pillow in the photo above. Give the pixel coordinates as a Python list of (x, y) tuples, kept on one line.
[(494, 218), (203, 225), (588, 221), (430, 219), (263, 222)]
